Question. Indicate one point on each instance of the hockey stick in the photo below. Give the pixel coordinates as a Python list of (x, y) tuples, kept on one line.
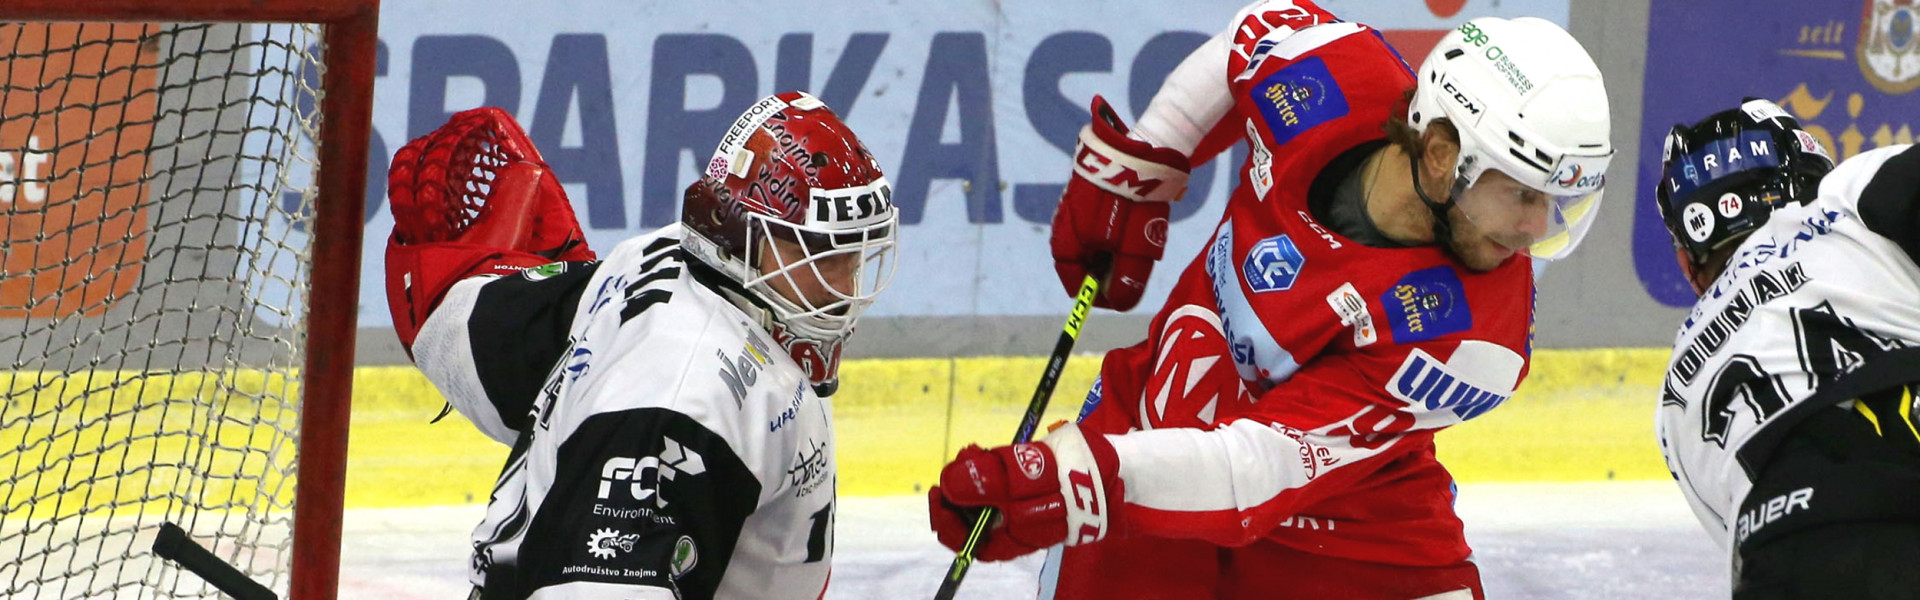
[(173, 544), (1083, 302)]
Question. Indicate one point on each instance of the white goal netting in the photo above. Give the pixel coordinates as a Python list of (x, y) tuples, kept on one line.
[(156, 187)]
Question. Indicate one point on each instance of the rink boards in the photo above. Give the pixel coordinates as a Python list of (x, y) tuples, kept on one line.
[(1582, 415)]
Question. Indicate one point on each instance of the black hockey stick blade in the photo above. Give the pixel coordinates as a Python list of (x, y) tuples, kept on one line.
[(173, 544), (1036, 408)]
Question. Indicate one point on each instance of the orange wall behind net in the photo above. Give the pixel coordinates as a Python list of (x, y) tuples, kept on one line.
[(79, 106)]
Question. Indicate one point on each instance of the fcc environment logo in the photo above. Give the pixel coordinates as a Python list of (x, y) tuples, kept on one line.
[(1273, 264)]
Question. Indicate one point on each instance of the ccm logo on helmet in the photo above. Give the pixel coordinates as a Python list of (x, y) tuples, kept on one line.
[(852, 207), (1465, 101)]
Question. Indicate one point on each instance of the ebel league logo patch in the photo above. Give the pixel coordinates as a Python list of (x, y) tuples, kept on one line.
[(1352, 309), (1273, 264)]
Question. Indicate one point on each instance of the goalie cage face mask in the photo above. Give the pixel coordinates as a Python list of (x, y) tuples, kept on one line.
[(796, 210)]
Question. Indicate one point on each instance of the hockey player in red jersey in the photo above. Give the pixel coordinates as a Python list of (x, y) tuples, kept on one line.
[(1369, 285)]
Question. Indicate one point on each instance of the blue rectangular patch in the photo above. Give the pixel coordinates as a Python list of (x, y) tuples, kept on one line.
[(1720, 158), (1427, 304), (1298, 98)]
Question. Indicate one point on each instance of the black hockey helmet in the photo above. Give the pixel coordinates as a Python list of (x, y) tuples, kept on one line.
[(1723, 176)]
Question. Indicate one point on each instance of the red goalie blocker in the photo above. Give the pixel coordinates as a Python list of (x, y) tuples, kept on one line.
[(472, 198)]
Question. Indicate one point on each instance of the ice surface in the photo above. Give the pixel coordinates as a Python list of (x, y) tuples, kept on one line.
[(1612, 540)]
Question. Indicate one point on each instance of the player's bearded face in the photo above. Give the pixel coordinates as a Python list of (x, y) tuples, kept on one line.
[(1495, 218)]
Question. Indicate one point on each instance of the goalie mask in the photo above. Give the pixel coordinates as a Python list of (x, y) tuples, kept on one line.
[(796, 212), (1528, 102)]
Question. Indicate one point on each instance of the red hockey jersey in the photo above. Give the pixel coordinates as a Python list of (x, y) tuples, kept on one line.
[(1292, 372)]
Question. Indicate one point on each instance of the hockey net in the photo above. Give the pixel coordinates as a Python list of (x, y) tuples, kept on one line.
[(158, 199)]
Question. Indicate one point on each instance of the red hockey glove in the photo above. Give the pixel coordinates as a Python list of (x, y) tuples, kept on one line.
[(1114, 210), (1059, 489), (472, 198)]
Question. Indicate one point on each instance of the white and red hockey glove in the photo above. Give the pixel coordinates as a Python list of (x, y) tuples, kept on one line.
[(1114, 210), (472, 198), (1060, 489)]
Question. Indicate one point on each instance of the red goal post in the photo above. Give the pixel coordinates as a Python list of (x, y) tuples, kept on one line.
[(71, 295)]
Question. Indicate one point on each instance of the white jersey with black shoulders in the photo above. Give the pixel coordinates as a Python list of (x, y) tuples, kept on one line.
[(1824, 292), (663, 445)]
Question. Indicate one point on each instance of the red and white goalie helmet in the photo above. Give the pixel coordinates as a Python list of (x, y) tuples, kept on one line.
[(794, 209)]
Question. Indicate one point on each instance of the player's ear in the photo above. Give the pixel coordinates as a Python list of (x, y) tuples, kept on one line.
[(1701, 274), (1687, 270), (1440, 151)]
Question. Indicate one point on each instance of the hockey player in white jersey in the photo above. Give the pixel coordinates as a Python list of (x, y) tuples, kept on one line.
[(1787, 416), (666, 404)]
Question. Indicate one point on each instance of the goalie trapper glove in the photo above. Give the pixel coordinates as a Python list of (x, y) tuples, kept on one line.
[(472, 198)]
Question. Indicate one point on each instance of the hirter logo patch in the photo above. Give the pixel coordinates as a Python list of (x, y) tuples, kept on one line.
[(1298, 98), (1427, 304)]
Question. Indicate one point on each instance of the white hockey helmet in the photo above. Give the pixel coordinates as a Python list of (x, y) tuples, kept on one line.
[(1528, 101)]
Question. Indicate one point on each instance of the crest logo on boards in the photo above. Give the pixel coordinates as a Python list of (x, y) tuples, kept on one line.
[(1888, 53)]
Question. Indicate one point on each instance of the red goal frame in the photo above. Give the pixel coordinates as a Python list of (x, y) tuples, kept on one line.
[(350, 36)]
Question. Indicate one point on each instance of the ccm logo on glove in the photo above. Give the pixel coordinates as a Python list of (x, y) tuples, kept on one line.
[(1115, 176)]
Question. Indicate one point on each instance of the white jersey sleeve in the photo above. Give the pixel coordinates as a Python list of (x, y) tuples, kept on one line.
[(1192, 100), (1196, 95), (1821, 290), (664, 445), (490, 343)]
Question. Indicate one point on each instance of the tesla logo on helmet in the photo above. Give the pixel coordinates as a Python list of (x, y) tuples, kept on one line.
[(852, 207)]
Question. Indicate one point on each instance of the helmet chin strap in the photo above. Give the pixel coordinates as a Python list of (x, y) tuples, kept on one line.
[(1442, 221)]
